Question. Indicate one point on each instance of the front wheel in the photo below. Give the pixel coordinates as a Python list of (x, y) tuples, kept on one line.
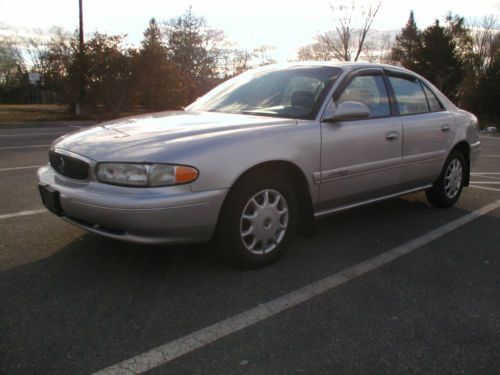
[(448, 187), (257, 221)]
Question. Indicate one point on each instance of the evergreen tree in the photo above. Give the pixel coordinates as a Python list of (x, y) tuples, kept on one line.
[(462, 37), (196, 50), (439, 61), (407, 45), (108, 73), (159, 83), (153, 38), (487, 96)]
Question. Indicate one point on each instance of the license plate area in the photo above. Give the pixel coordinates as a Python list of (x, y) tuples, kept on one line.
[(50, 199)]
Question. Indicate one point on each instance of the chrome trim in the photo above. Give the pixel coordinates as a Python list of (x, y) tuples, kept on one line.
[(72, 154), (343, 173), (426, 157), (92, 163), (353, 205), (356, 170)]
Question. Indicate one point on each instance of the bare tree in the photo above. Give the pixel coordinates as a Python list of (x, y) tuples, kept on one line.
[(262, 55), (35, 48), (350, 36), (12, 65), (380, 48), (313, 52), (242, 61), (235, 61), (485, 40)]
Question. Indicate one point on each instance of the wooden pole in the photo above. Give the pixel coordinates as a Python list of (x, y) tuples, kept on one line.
[(79, 106)]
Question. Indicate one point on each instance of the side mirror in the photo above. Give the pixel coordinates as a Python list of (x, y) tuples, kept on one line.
[(348, 111)]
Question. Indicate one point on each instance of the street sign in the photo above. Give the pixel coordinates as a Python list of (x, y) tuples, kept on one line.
[(34, 77)]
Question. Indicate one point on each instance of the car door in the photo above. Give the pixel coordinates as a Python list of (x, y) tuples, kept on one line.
[(428, 130), (360, 159)]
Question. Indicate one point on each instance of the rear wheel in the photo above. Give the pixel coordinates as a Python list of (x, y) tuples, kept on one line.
[(257, 221), (448, 187)]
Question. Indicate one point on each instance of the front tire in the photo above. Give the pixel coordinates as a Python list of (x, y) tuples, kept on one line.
[(257, 221), (448, 187)]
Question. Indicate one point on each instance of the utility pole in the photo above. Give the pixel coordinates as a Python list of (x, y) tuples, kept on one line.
[(79, 106), (81, 25)]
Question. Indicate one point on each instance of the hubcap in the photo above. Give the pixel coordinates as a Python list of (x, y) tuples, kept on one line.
[(264, 221), (453, 178)]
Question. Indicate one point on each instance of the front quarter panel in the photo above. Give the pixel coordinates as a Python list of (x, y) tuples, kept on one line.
[(223, 157)]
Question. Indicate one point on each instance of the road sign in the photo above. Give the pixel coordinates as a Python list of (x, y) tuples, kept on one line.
[(34, 77)]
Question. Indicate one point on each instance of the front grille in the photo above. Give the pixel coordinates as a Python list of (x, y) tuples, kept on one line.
[(69, 166)]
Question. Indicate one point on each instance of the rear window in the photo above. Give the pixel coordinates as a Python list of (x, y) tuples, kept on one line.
[(409, 95), (434, 103)]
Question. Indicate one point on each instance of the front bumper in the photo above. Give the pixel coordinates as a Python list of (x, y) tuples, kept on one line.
[(166, 215)]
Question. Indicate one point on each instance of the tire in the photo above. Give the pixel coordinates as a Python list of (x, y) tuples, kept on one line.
[(257, 221), (448, 187)]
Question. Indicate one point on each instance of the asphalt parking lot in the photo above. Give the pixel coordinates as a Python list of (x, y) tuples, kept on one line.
[(396, 287)]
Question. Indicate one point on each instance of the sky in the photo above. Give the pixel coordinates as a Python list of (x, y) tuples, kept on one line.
[(286, 25)]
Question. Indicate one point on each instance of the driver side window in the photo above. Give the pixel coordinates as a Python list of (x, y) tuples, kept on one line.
[(369, 90)]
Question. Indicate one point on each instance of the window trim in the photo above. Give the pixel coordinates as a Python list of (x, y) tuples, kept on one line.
[(366, 72), (408, 77), (424, 86)]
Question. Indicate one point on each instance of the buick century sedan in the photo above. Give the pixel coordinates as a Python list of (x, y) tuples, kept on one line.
[(256, 159)]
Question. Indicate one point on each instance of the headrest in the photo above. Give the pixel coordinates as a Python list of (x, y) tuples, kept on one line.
[(304, 99)]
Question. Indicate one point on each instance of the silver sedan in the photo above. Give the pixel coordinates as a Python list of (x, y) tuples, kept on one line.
[(259, 157)]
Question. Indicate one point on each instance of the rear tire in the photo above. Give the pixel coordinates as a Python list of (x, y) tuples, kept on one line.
[(448, 187), (257, 221)]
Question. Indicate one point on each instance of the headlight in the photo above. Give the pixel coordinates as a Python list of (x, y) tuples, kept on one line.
[(129, 174)]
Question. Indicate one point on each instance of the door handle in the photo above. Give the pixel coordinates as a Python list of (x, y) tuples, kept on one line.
[(445, 128), (392, 136)]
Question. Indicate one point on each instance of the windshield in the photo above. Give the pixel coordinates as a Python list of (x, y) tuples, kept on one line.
[(294, 92)]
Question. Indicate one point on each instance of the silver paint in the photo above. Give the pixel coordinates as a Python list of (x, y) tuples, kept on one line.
[(345, 163)]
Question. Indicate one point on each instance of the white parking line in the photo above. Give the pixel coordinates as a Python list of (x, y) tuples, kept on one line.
[(490, 156), (485, 182), (488, 176), (196, 340), (489, 138), (483, 188), (18, 168), (485, 173), (18, 147), (22, 213)]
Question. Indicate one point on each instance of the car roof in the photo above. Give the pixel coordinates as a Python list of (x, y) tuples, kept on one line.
[(344, 65), (348, 66)]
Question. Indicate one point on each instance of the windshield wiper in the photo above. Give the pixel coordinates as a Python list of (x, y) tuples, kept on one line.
[(255, 113)]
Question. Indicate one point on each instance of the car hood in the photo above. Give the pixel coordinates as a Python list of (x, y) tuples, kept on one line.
[(137, 138)]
